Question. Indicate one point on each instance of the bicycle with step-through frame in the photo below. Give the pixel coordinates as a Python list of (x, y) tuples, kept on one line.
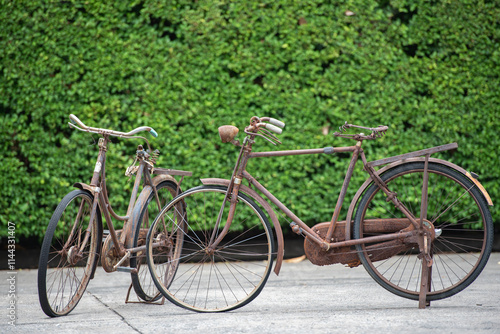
[(75, 238)]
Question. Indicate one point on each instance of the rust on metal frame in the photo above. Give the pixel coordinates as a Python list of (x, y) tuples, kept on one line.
[(343, 191), (347, 255), (326, 150)]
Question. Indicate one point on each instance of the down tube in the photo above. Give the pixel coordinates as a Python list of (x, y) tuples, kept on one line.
[(305, 229)]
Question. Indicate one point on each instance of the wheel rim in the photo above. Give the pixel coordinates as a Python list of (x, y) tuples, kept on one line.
[(212, 280), (144, 285), (68, 265), (459, 223)]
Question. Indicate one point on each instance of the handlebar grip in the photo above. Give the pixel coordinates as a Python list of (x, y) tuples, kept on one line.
[(274, 128), (76, 121), (153, 133), (382, 128), (276, 122)]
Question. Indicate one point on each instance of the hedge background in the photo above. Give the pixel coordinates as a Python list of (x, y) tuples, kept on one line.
[(428, 69)]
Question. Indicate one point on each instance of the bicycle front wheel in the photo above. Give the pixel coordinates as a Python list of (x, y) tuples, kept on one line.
[(69, 254), (142, 282), (203, 278), (458, 215)]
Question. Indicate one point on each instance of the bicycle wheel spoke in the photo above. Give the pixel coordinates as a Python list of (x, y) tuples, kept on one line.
[(233, 262), (214, 277), (458, 216), (452, 205), (144, 284), (68, 255)]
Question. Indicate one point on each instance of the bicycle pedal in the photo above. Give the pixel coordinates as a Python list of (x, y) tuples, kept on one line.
[(127, 270)]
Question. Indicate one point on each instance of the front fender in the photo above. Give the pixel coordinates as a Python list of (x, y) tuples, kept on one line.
[(100, 227), (253, 194), (368, 182), (84, 186)]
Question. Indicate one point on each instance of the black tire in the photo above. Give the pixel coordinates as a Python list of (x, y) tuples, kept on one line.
[(462, 223), (63, 273), (142, 282), (204, 280)]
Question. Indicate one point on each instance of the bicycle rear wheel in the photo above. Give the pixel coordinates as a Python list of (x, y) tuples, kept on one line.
[(459, 216), (142, 282), (203, 279), (69, 254)]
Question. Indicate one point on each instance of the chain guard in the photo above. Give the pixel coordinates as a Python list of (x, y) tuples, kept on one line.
[(348, 255), (320, 257)]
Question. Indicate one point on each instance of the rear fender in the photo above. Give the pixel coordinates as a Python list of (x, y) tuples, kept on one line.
[(138, 207), (142, 202), (368, 182), (254, 195)]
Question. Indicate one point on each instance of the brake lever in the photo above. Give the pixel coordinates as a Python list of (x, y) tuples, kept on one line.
[(260, 135), (270, 134)]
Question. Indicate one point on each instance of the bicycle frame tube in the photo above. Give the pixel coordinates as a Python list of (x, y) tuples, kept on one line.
[(105, 195), (99, 189), (96, 191), (327, 150), (240, 172), (302, 227), (309, 232), (281, 206), (343, 191), (126, 232), (100, 193)]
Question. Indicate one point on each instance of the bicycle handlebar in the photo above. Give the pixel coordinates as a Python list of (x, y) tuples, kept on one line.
[(377, 132), (82, 127)]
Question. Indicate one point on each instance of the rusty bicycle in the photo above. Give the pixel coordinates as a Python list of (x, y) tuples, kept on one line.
[(75, 238), (420, 226)]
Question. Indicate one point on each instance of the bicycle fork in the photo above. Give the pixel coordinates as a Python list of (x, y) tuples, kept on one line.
[(232, 209), (232, 192)]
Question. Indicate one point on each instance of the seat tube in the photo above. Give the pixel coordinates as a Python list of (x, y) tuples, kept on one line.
[(342, 194)]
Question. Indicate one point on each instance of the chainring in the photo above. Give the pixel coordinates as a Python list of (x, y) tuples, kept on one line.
[(110, 256)]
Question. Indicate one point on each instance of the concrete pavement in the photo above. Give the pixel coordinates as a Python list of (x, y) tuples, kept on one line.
[(304, 298)]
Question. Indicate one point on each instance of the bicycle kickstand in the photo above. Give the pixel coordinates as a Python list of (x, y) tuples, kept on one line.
[(425, 280)]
